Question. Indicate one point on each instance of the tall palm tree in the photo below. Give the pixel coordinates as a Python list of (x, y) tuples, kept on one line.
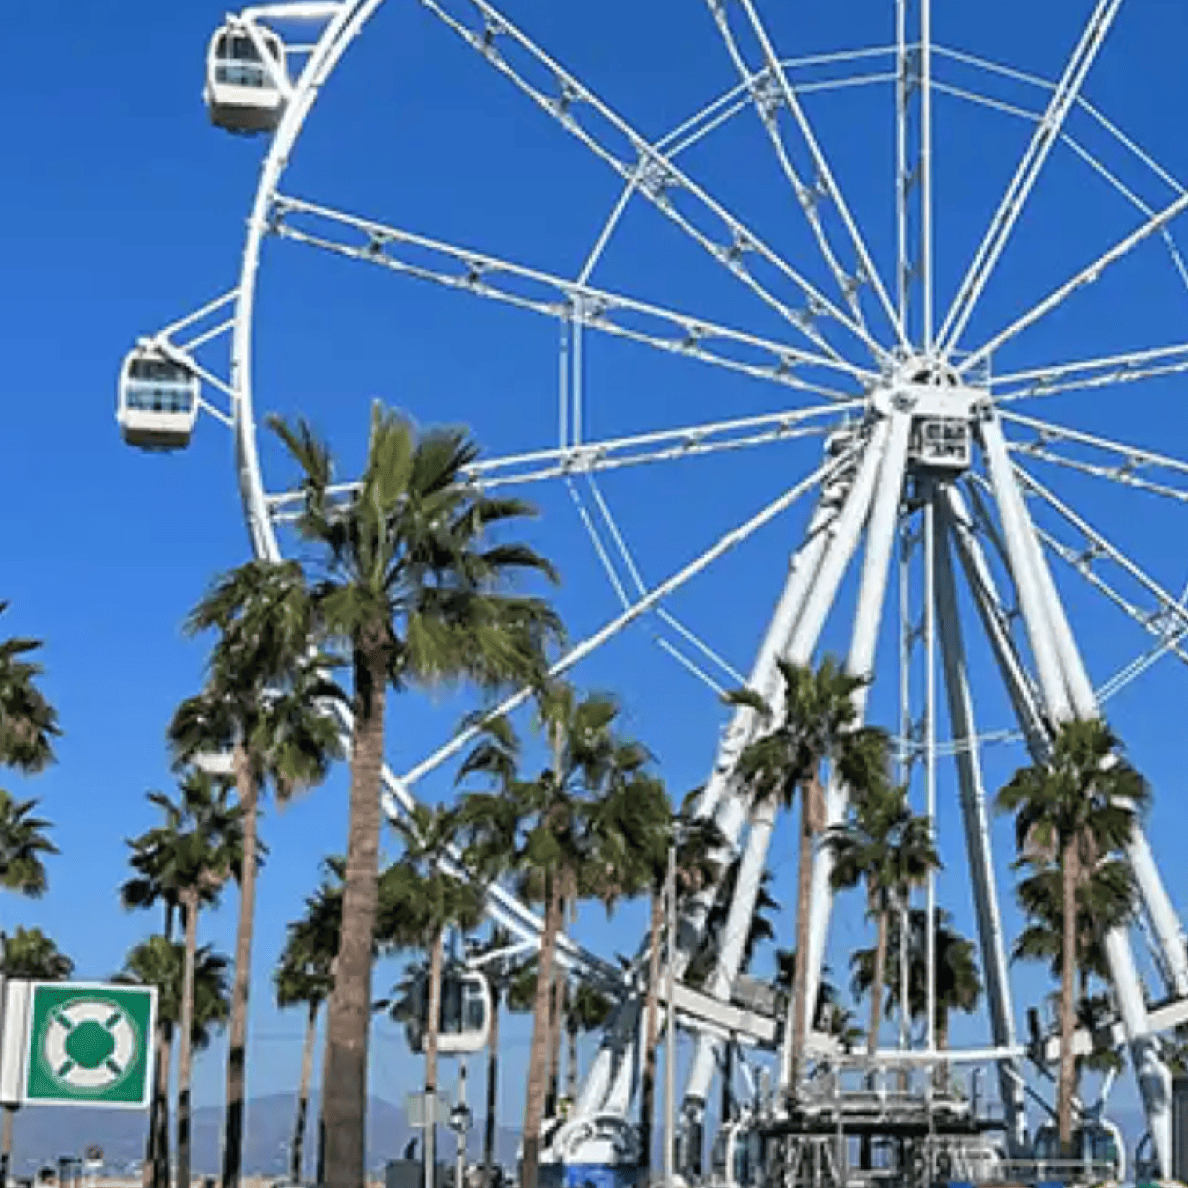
[(303, 978), (567, 825), (406, 579), (1071, 811), (265, 705), (31, 955), (159, 859), (162, 963), (650, 830), (28, 723), (817, 736), (884, 845), (207, 851), (431, 901)]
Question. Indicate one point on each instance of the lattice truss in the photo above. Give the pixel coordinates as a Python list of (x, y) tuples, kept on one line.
[(940, 471)]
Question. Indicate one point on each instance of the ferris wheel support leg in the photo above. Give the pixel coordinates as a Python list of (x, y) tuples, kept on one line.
[(1028, 710), (1020, 556), (876, 565), (1046, 637), (977, 831), (844, 536), (1169, 934)]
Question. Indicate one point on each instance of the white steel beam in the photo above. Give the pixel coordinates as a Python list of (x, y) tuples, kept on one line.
[(533, 289), (876, 564), (575, 107), (1015, 199), (844, 534), (1087, 374), (962, 724), (1087, 276)]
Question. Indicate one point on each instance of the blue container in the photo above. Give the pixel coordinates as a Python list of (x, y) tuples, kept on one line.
[(597, 1175)]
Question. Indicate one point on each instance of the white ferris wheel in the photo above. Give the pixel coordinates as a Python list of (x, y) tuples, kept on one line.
[(765, 303)]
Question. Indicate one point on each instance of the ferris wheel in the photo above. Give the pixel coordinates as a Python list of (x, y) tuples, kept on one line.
[(882, 348)]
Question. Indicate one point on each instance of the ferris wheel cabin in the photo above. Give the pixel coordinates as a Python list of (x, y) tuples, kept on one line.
[(245, 89), (464, 1023), (158, 401)]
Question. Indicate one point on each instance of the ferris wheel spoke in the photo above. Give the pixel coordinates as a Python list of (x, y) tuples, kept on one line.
[(771, 92), (1086, 276), (592, 457), (486, 276), (657, 178), (1128, 470), (1094, 547), (1014, 201), (1167, 628), (1091, 373)]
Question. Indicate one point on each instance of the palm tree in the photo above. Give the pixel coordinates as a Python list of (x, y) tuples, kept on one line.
[(23, 843), (159, 858), (957, 982), (162, 963), (1071, 811), (818, 736), (567, 825), (303, 978), (589, 1009), (407, 580), (207, 851), (650, 832), (28, 723), (30, 955), (884, 845), (430, 901), (760, 929), (265, 706)]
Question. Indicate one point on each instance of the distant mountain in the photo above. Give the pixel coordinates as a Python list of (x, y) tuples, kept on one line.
[(42, 1134)]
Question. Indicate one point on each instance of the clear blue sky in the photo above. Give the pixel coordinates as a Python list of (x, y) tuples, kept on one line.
[(123, 209)]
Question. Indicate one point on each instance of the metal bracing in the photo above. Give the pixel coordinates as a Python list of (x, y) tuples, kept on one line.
[(1019, 190), (772, 93), (962, 724), (1011, 387), (872, 594), (608, 135), (844, 532), (1087, 276), (541, 292)]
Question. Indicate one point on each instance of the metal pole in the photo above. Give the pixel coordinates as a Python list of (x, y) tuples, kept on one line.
[(930, 762), (670, 1044)]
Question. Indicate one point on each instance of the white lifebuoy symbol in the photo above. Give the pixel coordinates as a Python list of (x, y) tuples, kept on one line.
[(88, 1045)]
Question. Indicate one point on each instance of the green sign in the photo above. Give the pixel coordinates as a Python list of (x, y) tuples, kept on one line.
[(90, 1044)]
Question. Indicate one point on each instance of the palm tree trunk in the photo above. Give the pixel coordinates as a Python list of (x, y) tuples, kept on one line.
[(436, 958), (236, 1053), (297, 1152), (156, 1166), (185, 1053), (539, 1052), (797, 1007), (647, 1091), (492, 1094), (320, 1162), (571, 1061), (160, 1098), (1068, 981), (348, 1019), (877, 984), (556, 1024)]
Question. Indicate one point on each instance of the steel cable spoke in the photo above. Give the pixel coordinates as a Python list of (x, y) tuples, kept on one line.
[(1030, 167), (657, 177), (544, 293)]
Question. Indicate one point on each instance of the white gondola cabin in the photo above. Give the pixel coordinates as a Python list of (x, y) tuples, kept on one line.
[(246, 89), (1099, 1147), (158, 401), (464, 1024)]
